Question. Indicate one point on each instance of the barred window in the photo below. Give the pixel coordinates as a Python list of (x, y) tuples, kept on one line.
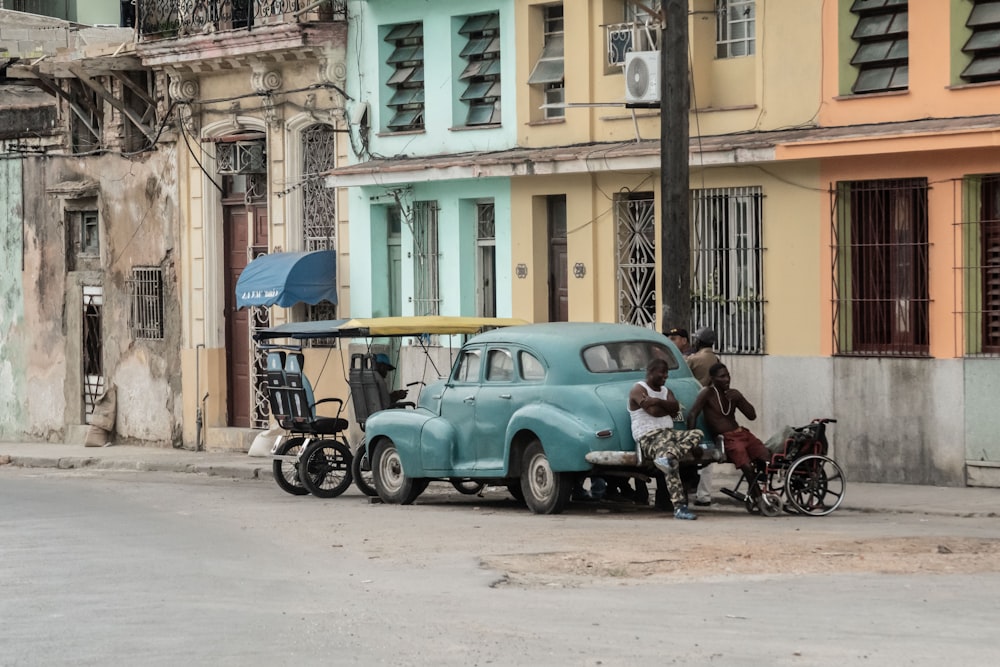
[(482, 71), (983, 46), (407, 80), (880, 252), (92, 346), (727, 278), (486, 266), (146, 294), (635, 221), (980, 266), (735, 28), (426, 298), (882, 56)]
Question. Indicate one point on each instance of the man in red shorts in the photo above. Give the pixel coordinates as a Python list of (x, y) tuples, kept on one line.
[(719, 403)]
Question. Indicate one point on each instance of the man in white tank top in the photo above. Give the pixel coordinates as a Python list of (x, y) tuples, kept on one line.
[(652, 408)]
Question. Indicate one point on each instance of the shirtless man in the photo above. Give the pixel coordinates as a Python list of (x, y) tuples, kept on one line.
[(652, 408), (719, 403)]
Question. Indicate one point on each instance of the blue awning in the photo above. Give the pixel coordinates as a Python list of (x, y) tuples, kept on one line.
[(288, 278)]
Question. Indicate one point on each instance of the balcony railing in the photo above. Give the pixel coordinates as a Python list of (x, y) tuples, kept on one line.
[(161, 19), (623, 38)]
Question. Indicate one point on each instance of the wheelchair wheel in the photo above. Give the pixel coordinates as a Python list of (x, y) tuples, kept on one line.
[(815, 485), (362, 478), (325, 468), (769, 504), (286, 472)]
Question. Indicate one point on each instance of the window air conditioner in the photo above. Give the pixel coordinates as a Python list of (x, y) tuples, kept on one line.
[(642, 78)]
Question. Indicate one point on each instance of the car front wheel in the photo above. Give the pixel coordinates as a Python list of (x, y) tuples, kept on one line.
[(391, 482), (545, 491)]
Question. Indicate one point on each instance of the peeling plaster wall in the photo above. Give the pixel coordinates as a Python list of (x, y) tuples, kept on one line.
[(43, 333), (136, 202)]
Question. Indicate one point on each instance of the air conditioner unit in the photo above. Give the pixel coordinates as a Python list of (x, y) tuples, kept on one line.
[(642, 78)]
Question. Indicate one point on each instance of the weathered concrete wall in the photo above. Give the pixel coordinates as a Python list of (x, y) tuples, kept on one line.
[(982, 416), (43, 362), (899, 420)]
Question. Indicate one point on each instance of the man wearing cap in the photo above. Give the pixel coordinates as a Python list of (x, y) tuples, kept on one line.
[(700, 361), (679, 337), (382, 367), (704, 356)]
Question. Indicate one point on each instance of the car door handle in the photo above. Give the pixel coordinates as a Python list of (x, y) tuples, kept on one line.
[(469, 399), (505, 396)]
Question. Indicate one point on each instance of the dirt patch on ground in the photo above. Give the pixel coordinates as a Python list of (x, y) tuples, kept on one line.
[(752, 557)]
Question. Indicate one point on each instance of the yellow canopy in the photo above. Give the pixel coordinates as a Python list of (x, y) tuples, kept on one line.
[(387, 326)]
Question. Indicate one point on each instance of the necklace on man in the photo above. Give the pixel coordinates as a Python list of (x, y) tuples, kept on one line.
[(718, 396)]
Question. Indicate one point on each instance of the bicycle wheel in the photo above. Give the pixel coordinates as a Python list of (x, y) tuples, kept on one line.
[(325, 468), (286, 471), (815, 485)]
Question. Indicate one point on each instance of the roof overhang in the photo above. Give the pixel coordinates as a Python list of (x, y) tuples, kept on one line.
[(718, 150)]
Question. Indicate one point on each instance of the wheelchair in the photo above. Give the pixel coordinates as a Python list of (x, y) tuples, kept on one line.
[(799, 479)]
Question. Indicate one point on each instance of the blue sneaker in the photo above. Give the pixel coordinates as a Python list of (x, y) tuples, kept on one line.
[(682, 512)]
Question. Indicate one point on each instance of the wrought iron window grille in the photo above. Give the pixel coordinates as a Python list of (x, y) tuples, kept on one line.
[(881, 299), (635, 222), (426, 258), (727, 267), (146, 296)]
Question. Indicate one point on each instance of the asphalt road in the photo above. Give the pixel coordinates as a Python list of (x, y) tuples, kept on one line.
[(100, 568)]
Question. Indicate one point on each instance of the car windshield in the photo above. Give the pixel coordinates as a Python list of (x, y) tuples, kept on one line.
[(627, 356)]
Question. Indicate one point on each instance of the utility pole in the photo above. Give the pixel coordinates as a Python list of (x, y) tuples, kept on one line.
[(675, 225)]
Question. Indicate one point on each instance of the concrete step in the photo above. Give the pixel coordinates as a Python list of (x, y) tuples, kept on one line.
[(229, 439)]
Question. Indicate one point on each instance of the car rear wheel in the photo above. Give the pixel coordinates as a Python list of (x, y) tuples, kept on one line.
[(391, 482), (545, 491)]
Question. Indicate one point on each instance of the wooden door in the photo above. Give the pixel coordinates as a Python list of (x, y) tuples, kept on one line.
[(238, 244)]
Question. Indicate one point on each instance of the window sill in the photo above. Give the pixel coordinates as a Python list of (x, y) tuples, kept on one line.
[(737, 107), (545, 121), (400, 133), (466, 128), (966, 86), (868, 96)]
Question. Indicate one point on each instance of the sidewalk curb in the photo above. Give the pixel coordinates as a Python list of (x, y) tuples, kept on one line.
[(99, 463)]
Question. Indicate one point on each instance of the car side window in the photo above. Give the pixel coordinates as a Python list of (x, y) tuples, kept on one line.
[(499, 366), (468, 367), (531, 367)]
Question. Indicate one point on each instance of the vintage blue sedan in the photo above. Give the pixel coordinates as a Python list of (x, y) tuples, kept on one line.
[(523, 407)]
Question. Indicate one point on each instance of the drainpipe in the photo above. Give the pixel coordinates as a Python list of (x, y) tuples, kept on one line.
[(199, 417)]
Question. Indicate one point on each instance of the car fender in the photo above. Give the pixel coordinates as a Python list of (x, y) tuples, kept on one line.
[(565, 437), (405, 428)]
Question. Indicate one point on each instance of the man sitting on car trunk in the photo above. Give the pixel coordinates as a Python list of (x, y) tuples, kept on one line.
[(652, 408)]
